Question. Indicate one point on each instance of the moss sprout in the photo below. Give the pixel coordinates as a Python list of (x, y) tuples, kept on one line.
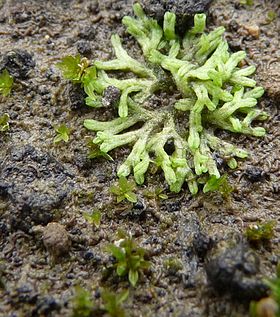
[(124, 190), (4, 122), (260, 231), (62, 132), (93, 218), (130, 258), (6, 83)]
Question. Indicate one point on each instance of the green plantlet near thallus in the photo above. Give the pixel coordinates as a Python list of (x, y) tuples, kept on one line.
[(4, 122), (155, 193), (218, 184), (6, 83), (94, 151), (260, 231), (73, 67), (62, 133), (129, 256), (124, 190), (215, 94)]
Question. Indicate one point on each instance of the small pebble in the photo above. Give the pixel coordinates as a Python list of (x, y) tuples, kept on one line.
[(253, 30), (56, 240)]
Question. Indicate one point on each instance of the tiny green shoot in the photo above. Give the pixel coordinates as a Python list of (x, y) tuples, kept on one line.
[(218, 184), (155, 193), (173, 265), (62, 133), (260, 231), (94, 151), (271, 16), (94, 218), (124, 190), (4, 122), (82, 303), (6, 83), (113, 302), (73, 67), (130, 258)]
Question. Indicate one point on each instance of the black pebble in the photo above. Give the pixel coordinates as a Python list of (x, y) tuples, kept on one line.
[(84, 47), (76, 96), (254, 174), (110, 96), (88, 33)]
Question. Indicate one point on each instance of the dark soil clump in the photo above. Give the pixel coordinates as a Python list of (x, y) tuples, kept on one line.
[(19, 63), (234, 269), (35, 183), (184, 10)]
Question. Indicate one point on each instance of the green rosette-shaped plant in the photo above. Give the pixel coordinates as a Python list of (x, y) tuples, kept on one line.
[(214, 93)]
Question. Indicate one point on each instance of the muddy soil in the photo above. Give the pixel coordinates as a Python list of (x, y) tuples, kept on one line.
[(42, 183)]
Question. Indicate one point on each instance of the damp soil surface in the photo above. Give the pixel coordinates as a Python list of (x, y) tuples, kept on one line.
[(202, 264)]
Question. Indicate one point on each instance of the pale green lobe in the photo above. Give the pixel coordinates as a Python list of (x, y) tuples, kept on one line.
[(169, 26), (6, 83), (212, 92)]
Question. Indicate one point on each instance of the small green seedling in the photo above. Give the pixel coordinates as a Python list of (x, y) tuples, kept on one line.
[(271, 16), (130, 258), (82, 303), (6, 83), (124, 190), (154, 196), (260, 232), (218, 184), (94, 218), (173, 265), (4, 122), (94, 151), (62, 133), (113, 302), (155, 193), (73, 67)]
